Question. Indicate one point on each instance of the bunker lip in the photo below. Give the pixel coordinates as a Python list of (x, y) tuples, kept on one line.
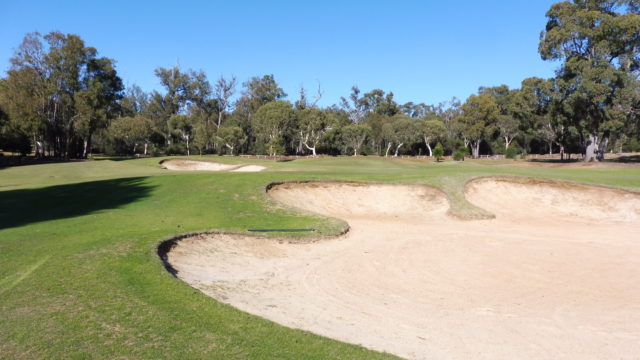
[(429, 285), (204, 165), (553, 200)]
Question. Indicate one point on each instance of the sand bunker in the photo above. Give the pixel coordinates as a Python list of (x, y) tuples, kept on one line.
[(249, 168), (194, 165), (412, 281)]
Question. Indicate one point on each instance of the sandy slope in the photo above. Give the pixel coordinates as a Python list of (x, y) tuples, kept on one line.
[(195, 165), (539, 281)]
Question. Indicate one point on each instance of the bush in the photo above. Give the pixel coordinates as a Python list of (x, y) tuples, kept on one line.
[(511, 152), (176, 149), (459, 154), (15, 142), (438, 152)]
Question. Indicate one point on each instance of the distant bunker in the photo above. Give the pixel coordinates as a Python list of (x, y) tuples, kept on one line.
[(195, 165), (555, 274)]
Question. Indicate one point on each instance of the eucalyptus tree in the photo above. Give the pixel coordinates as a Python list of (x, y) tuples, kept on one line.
[(477, 121), (431, 130), (97, 101), (183, 125), (223, 91), (597, 41), (270, 122), (135, 101), (184, 91), (354, 136), (61, 92), (413, 110), (406, 131), (312, 125), (355, 106), (131, 131), (232, 137)]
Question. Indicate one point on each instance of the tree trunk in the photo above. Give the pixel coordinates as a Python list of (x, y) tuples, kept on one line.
[(388, 148), (146, 146), (187, 138), (602, 148), (550, 147), (430, 151), (591, 149), (313, 149), (398, 148), (475, 149), (507, 142)]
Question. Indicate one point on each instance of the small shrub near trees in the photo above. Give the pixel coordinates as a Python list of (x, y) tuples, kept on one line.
[(438, 152), (511, 152), (460, 154)]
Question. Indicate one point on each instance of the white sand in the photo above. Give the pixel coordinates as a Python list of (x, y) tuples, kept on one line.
[(195, 165), (555, 276), (249, 168)]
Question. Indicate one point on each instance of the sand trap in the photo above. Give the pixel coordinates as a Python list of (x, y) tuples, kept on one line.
[(412, 281), (249, 168), (195, 165)]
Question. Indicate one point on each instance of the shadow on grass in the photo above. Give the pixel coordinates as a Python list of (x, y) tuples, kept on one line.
[(626, 159), (555, 161), (26, 206)]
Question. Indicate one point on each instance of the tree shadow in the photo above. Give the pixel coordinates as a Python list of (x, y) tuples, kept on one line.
[(626, 159), (555, 161), (26, 206)]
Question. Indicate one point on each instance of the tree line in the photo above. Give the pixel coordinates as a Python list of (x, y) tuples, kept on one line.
[(60, 99)]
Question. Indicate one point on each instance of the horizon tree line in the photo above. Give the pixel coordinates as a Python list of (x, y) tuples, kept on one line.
[(60, 99)]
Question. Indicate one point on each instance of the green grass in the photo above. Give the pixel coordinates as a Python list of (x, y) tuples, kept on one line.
[(80, 278)]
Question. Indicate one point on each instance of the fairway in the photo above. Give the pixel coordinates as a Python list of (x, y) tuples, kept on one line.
[(80, 276)]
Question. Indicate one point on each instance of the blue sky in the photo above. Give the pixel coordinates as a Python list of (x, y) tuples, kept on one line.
[(423, 51)]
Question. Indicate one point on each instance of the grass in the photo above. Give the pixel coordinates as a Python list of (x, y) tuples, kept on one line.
[(80, 279)]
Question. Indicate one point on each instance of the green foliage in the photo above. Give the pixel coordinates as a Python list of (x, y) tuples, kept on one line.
[(270, 122), (460, 153), (438, 152), (512, 152), (231, 138)]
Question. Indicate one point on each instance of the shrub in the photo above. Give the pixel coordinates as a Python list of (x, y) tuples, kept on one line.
[(459, 154), (438, 152), (511, 152)]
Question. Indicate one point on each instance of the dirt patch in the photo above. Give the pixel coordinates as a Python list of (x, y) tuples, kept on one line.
[(539, 281), (195, 165)]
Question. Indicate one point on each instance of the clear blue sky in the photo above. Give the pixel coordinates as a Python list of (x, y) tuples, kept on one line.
[(423, 51)]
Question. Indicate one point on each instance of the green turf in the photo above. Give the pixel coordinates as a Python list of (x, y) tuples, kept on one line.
[(80, 278)]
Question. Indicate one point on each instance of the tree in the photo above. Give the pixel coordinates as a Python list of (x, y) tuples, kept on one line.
[(388, 135), (406, 131), (355, 106), (132, 131), (97, 103), (312, 125), (479, 113), (59, 92), (232, 137), (509, 128), (223, 91), (183, 125), (354, 136), (184, 91), (432, 130), (598, 44), (270, 122)]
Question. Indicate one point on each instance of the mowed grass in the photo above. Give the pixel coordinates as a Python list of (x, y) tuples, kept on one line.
[(80, 277)]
